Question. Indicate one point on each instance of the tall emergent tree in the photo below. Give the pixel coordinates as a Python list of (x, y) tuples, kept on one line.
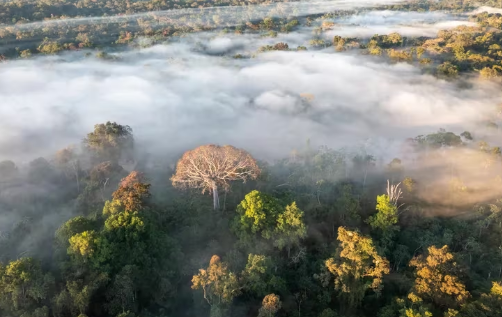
[(212, 166), (110, 142)]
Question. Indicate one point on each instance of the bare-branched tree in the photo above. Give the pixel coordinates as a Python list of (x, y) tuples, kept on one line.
[(394, 192), (210, 167)]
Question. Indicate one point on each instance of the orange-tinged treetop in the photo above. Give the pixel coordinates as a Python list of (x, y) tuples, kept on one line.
[(132, 191), (211, 164)]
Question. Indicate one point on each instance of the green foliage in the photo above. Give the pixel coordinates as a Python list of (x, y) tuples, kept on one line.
[(386, 217), (374, 48), (290, 26), (80, 292), (261, 215), (83, 244), (318, 43), (125, 262), (110, 141), (25, 53), (255, 272), (276, 47), (49, 47), (23, 286), (257, 213), (447, 70), (491, 73), (356, 267), (399, 55), (121, 295), (347, 206), (72, 227), (258, 277), (412, 306), (218, 284), (440, 139), (384, 221), (328, 312), (488, 305), (268, 23), (489, 19), (290, 227), (122, 261)]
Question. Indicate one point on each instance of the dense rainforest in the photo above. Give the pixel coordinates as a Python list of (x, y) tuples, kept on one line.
[(99, 232), (109, 227)]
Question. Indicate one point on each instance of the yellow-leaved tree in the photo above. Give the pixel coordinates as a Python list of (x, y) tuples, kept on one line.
[(270, 306), (356, 267), (436, 278), (218, 284)]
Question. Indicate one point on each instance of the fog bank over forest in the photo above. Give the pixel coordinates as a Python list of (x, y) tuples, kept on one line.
[(177, 92), (229, 15)]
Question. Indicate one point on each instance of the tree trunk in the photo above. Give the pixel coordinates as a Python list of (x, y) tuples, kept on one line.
[(365, 175), (216, 199), (104, 189), (76, 168), (225, 201), (78, 181)]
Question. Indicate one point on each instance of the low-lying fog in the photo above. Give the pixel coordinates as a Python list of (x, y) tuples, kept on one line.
[(191, 91)]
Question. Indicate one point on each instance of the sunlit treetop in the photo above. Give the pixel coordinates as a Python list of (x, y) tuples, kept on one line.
[(436, 277), (210, 167), (218, 284), (356, 267), (270, 306), (133, 191)]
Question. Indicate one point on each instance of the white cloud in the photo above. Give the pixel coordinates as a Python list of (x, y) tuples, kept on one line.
[(175, 98), (485, 9), (405, 23), (427, 30)]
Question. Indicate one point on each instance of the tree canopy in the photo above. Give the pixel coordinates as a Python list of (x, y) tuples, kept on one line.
[(210, 167)]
